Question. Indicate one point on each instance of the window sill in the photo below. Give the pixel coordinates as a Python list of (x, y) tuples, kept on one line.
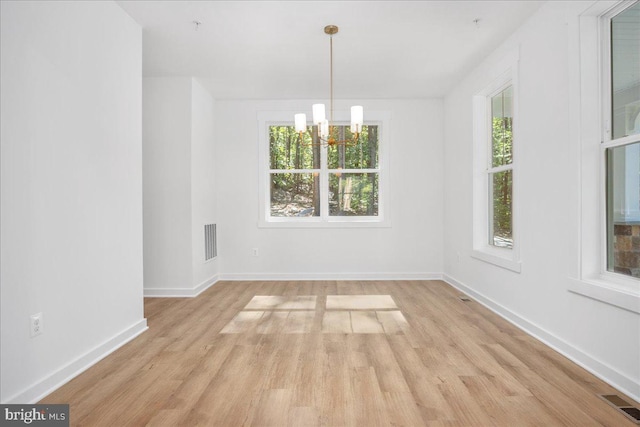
[(498, 257), (605, 291), (311, 223)]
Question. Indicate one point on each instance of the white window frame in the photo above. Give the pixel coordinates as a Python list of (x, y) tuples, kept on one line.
[(324, 220), (493, 170), (591, 106), (508, 258)]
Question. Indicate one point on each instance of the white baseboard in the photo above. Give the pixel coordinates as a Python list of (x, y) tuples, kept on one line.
[(600, 369), (65, 374), (329, 276), (181, 292)]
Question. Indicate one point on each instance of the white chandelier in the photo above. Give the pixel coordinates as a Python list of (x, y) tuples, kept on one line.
[(327, 132)]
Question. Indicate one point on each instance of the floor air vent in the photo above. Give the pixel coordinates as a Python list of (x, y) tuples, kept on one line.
[(210, 242), (627, 409)]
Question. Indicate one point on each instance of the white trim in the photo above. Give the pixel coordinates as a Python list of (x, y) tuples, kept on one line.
[(619, 142), (47, 385), (588, 139), (330, 276), (332, 222), (492, 256), (499, 169), (606, 373), (181, 292), (608, 293)]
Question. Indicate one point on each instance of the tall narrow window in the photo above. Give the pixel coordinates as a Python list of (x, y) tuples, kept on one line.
[(607, 138), (500, 170), (622, 142), (495, 183)]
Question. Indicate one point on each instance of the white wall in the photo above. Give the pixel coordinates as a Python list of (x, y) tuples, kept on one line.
[(411, 247), (166, 139), (71, 189), (179, 185), (601, 337), (203, 181)]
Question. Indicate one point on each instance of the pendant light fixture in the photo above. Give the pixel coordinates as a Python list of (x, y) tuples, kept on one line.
[(327, 131)]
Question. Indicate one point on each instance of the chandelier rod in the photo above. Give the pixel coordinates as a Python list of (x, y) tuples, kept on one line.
[(326, 136), (331, 74)]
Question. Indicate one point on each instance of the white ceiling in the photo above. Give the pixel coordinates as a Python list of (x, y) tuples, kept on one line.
[(278, 50)]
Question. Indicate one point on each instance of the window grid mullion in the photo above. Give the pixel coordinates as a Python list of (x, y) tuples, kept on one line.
[(324, 184), (619, 142), (353, 171), (500, 168), (293, 170)]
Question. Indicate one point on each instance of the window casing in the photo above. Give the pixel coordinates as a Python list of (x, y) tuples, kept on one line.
[(595, 145), (306, 185)]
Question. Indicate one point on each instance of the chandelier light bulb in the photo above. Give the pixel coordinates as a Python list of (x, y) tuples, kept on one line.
[(357, 118), (318, 113), (301, 122), (324, 128)]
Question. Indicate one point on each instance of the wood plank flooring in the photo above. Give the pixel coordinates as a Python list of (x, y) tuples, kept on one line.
[(432, 360)]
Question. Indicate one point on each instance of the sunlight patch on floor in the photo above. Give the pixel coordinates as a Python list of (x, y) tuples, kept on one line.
[(343, 314), (364, 322), (277, 302), (360, 302), (271, 322)]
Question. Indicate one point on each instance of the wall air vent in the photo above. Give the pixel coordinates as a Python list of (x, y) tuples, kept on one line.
[(210, 242)]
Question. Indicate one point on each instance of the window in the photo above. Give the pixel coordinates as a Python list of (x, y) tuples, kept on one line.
[(500, 169), (603, 105), (495, 176), (621, 142), (299, 169), (308, 185)]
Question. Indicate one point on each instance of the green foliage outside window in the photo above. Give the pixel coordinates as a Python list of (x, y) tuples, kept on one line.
[(501, 181), (293, 193), (502, 208), (363, 155), (297, 193)]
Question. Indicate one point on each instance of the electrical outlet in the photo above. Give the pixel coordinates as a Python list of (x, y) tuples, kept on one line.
[(37, 325), (255, 252)]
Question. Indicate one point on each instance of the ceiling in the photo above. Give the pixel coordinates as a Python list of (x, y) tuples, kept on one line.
[(278, 49)]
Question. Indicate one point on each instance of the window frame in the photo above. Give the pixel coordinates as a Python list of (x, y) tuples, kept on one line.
[(494, 170), (591, 102), (324, 220), (607, 135), (505, 257)]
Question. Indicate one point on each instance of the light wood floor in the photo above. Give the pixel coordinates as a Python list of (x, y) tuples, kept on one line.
[(448, 363)]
